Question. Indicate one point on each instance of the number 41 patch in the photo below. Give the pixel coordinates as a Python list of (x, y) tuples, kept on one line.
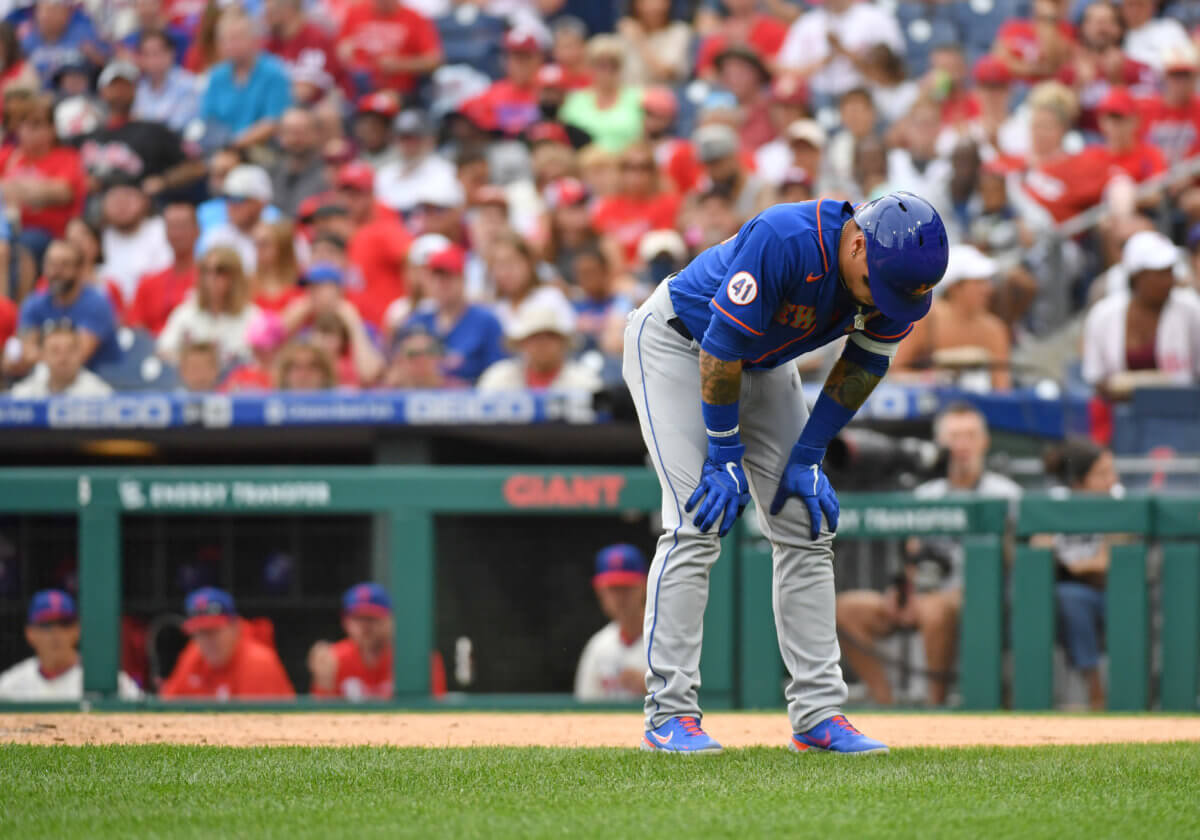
[(743, 288)]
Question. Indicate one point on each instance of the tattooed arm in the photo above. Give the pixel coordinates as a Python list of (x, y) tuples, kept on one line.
[(849, 384), (720, 381)]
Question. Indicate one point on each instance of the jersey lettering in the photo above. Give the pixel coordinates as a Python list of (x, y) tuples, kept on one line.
[(796, 316)]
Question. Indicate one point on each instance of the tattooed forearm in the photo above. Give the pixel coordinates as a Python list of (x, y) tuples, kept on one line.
[(850, 385), (720, 382)]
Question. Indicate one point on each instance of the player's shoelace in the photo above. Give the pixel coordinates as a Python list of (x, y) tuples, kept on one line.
[(840, 721), (691, 726)]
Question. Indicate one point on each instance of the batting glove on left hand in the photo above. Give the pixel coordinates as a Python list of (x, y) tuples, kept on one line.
[(804, 478), (722, 487)]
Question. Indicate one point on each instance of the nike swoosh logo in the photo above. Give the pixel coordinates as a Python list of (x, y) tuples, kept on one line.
[(661, 739), (732, 474), (825, 741), (813, 278)]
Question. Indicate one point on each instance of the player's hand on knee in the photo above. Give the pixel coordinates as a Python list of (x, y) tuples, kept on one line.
[(723, 492), (804, 478)]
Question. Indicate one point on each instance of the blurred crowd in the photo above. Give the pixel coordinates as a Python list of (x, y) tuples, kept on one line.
[(316, 194)]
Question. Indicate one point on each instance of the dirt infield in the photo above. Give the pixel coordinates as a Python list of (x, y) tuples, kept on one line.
[(564, 729)]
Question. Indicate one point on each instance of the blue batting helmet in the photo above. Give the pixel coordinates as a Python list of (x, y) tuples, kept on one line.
[(907, 251)]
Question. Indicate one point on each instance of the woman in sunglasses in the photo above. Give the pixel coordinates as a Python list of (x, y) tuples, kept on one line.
[(218, 310)]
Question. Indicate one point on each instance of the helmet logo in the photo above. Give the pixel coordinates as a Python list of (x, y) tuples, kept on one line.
[(922, 290), (742, 288)]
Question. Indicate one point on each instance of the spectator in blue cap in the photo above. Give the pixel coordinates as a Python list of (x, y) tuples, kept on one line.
[(613, 664), (336, 326), (359, 667), (54, 671)]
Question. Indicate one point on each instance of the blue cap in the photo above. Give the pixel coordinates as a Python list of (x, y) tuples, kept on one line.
[(51, 605), (907, 251), (619, 565), (323, 273), (208, 607), (366, 599)]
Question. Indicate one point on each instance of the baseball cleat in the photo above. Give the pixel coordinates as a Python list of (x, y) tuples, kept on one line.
[(680, 735), (836, 735)]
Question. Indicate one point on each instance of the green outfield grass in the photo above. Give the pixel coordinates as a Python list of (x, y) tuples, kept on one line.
[(165, 791)]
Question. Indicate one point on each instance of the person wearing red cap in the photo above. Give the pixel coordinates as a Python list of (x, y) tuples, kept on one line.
[(675, 156), (510, 104), (470, 334), (613, 663), (223, 660), (372, 128), (1125, 152), (1171, 120), (379, 244), (1038, 48), (394, 44), (742, 24)]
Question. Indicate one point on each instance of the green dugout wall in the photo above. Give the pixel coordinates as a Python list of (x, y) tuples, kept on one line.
[(741, 665)]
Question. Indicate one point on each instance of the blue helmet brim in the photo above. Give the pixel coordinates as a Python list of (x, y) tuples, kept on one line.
[(898, 307)]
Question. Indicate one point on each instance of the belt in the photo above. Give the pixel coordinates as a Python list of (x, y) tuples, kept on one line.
[(677, 324)]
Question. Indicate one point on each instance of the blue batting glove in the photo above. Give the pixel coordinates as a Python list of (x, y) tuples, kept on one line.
[(804, 478), (722, 487)]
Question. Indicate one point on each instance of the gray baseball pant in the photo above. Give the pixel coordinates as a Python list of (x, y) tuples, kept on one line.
[(662, 371)]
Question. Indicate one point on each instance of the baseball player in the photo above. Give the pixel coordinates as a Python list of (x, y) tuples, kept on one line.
[(612, 664), (54, 672), (723, 416)]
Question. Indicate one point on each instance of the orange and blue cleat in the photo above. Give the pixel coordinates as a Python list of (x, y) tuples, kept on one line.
[(836, 735), (680, 735)]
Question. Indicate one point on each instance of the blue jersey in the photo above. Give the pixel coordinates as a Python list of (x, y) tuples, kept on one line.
[(774, 291), (471, 345)]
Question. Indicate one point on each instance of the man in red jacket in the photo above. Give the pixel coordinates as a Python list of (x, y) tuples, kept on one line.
[(1171, 121), (511, 104), (393, 44)]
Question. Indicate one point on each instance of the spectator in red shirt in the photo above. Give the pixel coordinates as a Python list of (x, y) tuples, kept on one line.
[(640, 205), (8, 320), (42, 178), (741, 71), (157, 294), (359, 667), (223, 660), (675, 156), (276, 275), (742, 25), (510, 104), (1039, 48), (389, 42), (300, 42), (378, 247), (1099, 63), (1122, 149), (946, 84), (1171, 121), (570, 52)]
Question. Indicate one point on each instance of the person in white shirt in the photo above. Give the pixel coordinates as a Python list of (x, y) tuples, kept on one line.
[(927, 595), (60, 372), (613, 663), (1149, 39), (134, 242), (247, 191), (1149, 332), (918, 169), (54, 672), (542, 338), (418, 171), (218, 310), (825, 43)]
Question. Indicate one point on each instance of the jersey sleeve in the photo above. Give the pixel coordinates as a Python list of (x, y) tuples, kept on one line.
[(747, 298), (881, 336)]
